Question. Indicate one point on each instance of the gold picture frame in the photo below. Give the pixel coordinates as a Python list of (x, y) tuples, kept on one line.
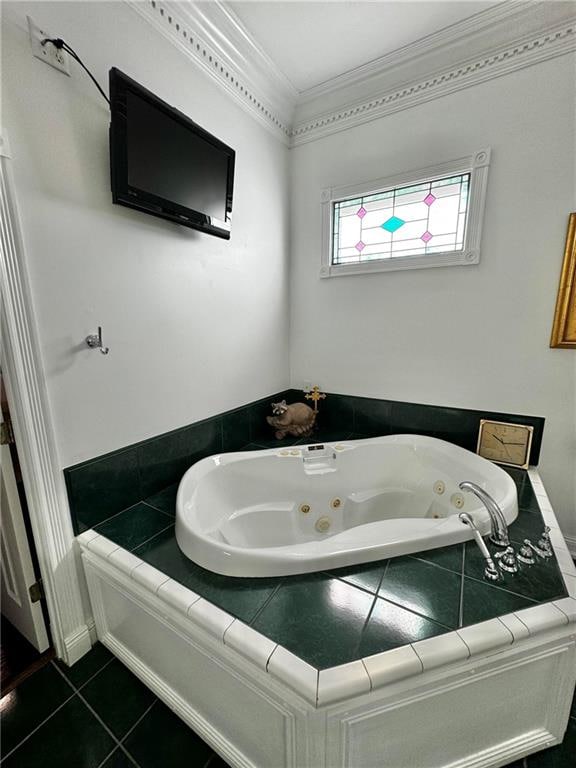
[(564, 327)]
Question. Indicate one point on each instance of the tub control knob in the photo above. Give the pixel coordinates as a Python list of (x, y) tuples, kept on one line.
[(542, 549), (323, 524), (507, 560), (525, 554), (544, 542)]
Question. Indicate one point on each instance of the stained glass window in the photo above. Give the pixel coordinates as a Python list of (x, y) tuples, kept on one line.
[(414, 220)]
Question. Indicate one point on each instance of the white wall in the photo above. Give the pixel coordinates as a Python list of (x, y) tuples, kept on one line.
[(473, 336), (195, 325)]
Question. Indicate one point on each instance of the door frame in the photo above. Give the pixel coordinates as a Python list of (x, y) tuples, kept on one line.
[(24, 377), (20, 609)]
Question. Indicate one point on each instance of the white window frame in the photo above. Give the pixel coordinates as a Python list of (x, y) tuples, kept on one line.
[(476, 164)]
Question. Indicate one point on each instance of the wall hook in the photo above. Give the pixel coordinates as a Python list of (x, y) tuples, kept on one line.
[(94, 341)]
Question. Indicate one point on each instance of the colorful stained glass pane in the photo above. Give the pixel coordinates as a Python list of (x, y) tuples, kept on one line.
[(392, 224), (413, 220)]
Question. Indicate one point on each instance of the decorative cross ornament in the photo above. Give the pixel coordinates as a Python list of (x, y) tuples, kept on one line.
[(315, 395)]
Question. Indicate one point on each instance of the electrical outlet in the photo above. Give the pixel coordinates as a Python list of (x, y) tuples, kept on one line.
[(48, 52)]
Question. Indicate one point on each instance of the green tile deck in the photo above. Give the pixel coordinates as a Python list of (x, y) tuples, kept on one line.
[(333, 618), (406, 583), (242, 598), (135, 525), (164, 500), (317, 617), (390, 625)]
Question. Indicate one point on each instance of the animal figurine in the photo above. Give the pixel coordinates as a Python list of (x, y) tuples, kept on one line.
[(296, 419)]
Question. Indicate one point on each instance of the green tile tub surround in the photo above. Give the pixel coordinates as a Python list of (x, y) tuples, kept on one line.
[(103, 486), (336, 617), (406, 583), (164, 460), (481, 601), (451, 558), (242, 598), (372, 417), (99, 489), (328, 621), (367, 576), (135, 525), (390, 626), (317, 617), (164, 500)]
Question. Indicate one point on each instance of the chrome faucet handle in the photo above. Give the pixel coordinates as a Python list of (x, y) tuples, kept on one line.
[(525, 553), (507, 560), (542, 549), (544, 540), (490, 571)]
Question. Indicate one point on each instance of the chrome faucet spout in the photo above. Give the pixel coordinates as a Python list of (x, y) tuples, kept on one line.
[(499, 528)]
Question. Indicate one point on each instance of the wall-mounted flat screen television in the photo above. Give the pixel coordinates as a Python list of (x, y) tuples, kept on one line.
[(164, 164)]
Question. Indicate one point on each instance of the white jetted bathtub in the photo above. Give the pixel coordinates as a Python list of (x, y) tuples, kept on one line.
[(307, 508)]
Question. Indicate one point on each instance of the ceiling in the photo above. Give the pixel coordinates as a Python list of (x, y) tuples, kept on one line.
[(312, 42)]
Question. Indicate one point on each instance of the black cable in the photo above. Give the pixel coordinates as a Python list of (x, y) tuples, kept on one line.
[(57, 42)]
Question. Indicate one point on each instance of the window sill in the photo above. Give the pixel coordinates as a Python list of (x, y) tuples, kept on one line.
[(397, 263)]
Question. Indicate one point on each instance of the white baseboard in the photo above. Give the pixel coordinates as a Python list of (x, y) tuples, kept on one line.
[(79, 643), (91, 624), (509, 751)]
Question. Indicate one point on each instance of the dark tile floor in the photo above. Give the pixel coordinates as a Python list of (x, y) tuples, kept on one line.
[(96, 713), (333, 618), (18, 658), (99, 715)]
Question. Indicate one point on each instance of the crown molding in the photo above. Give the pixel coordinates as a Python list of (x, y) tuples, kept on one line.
[(504, 38), (474, 26), (525, 52), (213, 38)]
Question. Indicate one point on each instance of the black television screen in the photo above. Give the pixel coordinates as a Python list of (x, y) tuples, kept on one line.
[(166, 165)]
